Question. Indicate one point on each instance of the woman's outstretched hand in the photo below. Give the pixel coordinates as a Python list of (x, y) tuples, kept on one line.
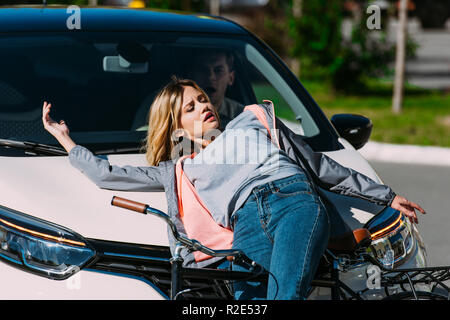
[(54, 128), (407, 208), (57, 129)]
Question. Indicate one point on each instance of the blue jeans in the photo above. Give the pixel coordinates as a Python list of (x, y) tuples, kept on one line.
[(284, 227)]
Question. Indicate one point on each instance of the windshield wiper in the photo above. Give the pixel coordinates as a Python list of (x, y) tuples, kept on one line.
[(123, 150), (33, 148)]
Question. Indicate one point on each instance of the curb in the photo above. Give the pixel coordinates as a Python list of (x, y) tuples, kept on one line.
[(411, 154)]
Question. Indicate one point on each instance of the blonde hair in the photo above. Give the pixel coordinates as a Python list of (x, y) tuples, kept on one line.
[(164, 120)]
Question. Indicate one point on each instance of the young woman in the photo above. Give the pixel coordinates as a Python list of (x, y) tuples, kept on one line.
[(253, 187)]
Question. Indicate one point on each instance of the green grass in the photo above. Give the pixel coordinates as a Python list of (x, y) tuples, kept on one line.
[(283, 110), (425, 117)]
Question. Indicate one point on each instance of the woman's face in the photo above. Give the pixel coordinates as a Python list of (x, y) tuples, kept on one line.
[(198, 115)]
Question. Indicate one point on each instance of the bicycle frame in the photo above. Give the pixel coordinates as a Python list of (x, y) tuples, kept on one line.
[(434, 277)]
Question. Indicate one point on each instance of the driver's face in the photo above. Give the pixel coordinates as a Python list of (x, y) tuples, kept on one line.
[(213, 75)]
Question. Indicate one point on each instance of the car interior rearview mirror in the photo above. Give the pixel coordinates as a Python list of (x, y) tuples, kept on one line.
[(132, 58)]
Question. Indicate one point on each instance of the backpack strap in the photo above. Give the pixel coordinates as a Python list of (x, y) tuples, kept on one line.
[(261, 116)]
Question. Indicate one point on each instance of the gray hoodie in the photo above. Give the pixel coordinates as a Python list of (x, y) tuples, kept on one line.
[(322, 171)]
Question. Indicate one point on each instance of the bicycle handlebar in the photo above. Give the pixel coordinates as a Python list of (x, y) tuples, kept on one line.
[(190, 243)]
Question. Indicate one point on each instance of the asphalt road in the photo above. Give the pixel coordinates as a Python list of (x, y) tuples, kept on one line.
[(429, 186)]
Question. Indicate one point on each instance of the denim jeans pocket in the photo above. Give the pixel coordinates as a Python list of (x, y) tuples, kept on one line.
[(292, 188), (248, 206)]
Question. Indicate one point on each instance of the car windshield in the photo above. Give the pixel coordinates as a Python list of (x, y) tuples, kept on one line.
[(103, 84)]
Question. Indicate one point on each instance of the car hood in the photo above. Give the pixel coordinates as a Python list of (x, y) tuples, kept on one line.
[(51, 189)]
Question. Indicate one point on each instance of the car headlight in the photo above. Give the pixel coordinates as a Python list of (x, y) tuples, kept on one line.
[(392, 237), (41, 247)]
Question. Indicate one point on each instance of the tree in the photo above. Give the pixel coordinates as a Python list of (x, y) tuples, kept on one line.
[(324, 52), (297, 14), (316, 34)]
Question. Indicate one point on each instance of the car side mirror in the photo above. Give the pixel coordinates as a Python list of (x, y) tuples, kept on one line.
[(356, 129)]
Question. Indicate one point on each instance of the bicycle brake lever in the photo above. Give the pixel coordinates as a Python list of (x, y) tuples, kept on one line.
[(245, 261)]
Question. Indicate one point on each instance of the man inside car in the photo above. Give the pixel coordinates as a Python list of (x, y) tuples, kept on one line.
[(214, 72)]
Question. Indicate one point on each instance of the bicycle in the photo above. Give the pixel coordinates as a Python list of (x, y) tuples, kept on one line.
[(178, 281)]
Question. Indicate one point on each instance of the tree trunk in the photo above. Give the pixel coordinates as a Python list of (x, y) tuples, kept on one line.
[(297, 13), (399, 83), (214, 7)]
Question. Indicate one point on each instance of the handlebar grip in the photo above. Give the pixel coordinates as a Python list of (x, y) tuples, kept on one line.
[(129, 204)]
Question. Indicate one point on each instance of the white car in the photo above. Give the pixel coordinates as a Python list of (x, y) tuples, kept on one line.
[(59, 236)]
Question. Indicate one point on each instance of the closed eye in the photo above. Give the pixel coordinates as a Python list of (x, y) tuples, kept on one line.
[(189, 106), (202, 98)]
